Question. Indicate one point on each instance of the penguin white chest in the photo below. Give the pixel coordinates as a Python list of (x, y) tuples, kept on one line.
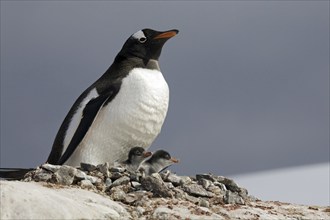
[(133, 118)]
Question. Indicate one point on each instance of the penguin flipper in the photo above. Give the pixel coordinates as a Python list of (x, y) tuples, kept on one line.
[(88, 116)]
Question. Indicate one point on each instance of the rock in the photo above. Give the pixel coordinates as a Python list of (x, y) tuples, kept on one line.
[(192, 199), (205, 176), (50, 167), (108, 183), (135, 176), (217, 200), (143, 199), (220, 185), (88, 167), (121, 181), (253, 198), (32, 200), (185, 180), (156, 185), (233, 198), (104, 169), (196, 190), (216, 190), (93, 179), (178, 193), (169, 185), (229, 183), (204, 203), (130, 198), (65, 175), (116, 175), (173, 178), (80, 175), (136, 184), (205, 183), (181, 212), (117, 169), (86, 184), (117, 194), (158, 196), (140, 211), (41, 175), (243, 193), (157, 176)]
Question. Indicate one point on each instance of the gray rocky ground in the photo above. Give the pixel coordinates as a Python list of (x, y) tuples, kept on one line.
[(106, 192)]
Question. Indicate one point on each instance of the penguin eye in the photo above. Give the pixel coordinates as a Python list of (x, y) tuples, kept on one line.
[(142, 39)]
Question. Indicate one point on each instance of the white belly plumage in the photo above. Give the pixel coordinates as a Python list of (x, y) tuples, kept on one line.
[(133, 118)]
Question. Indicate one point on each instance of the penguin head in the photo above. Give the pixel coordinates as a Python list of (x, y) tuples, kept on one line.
[(137, 155), (162, 158), (146, 44)]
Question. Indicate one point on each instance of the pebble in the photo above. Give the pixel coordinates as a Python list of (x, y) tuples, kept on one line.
[(174, 179), (50, 167), (205, 176), (131, 187), (117, 194), (43, 176), (229, 183), (136, 184), (185, 180), (80, 175), (215, 189), (156, 185), (121, 181), (192, 199), (205, 183), (117, 169), (140, 210), (220, 185), (116, 175), (108, 182), (196, 190), (88, 167), (104, 169), (65, 175), (233, 198), (169, 185), (243, 193), (93, 179), (204, 203), (86, 184), (130, 198)]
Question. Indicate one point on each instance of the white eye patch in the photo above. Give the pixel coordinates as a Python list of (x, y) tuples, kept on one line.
[(139, 35)]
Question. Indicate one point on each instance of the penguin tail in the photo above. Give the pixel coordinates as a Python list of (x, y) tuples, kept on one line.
[(13, 173)]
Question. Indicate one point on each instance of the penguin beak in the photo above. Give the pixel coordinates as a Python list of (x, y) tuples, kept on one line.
[(147, 154), (166, 34), (174, 160)]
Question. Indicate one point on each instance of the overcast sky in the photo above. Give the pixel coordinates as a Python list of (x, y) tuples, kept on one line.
[(249, 80)]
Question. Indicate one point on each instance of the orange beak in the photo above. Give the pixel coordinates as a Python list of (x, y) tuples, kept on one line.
[(174, 160), (166, 34), (147, 154)]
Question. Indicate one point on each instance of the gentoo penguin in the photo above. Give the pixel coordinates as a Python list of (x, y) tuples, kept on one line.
[(125, 107), (159, 161), (135, 157)]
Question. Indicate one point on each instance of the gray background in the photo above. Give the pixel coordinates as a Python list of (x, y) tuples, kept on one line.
[(249, 80)]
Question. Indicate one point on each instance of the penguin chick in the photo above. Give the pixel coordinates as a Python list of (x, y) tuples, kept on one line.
[(158, 162), (135, 157)]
